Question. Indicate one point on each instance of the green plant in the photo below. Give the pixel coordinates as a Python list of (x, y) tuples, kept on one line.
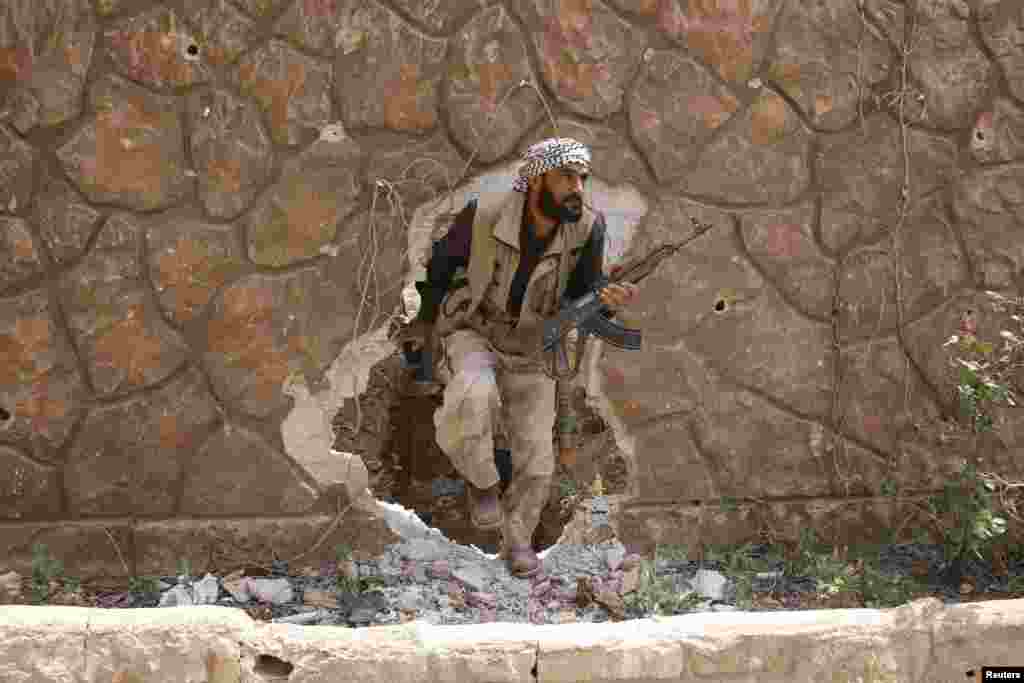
[(184, 567), (976, 393), (674, 552), (967, 508), (657, 595), (807, 559), (45, 569), (879, 589), (143, 585), (729, 504)]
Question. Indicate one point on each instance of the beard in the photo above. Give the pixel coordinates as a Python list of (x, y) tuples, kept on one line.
[(564, 212)]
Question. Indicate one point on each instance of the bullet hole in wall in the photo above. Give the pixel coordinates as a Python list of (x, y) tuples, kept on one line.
[(5, 415), (720, 305), (192, 52)]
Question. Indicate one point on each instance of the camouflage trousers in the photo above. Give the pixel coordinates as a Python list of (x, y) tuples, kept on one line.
[(491, 395)]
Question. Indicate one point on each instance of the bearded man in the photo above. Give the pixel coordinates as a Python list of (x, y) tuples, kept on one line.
[(523, 252)]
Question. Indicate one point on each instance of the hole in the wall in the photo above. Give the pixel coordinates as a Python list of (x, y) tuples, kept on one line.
[(396, 440), (720, 305), (5, 416), (272, 668), (979, 134)]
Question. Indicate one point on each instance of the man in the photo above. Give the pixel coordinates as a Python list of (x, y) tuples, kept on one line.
[(523, 251)]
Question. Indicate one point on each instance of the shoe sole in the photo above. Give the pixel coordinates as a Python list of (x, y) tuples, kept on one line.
[(526, 575), (492, 526)]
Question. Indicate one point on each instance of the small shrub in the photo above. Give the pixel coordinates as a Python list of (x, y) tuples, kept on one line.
[(967, 506), (658, 595), (45, 569)]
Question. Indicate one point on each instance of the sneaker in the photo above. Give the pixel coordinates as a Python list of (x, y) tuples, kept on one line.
[(484, 507), (522, 562)]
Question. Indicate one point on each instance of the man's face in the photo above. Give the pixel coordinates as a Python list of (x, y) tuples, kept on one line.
[(561, 194)]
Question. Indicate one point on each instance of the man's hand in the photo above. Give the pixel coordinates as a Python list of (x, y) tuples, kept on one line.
[(620, 295)]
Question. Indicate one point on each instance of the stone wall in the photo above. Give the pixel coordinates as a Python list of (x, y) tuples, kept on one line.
[(209, 208)]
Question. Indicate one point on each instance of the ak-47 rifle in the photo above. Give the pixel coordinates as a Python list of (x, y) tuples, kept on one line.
[(585, 313), (582, 314)]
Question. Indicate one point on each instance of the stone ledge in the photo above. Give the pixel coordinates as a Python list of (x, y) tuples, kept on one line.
[(922, 641)]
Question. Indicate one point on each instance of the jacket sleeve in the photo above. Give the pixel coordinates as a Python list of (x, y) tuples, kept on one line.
[(590, 265), (447, 255)]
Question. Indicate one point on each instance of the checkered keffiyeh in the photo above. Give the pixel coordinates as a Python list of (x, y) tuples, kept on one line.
[(550, 154)]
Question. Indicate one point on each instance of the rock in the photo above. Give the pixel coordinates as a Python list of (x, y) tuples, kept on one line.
[(587, 53), (481, 599), (612, 602), (710, 584), (675, 109), (18, 160), (630, 580), (205, 592), (238, 587), (310, 617), (998, 133), (423, 550), (565, 616), (410, 599), (274, 591), (439, 569), (584, 592), (10, 588), (613, 582), (362, 616), (825, 88), (858, 171), (178, 596), (474, 577), (231, 151), (386, 74), (295, 110), (953, 73), (614, 556), (46, 53), (320, 598), (153, 48), (190, 261), (130, 152), (347, 570), (631, 561), (494, 58), (1001, 29), (761, 157)]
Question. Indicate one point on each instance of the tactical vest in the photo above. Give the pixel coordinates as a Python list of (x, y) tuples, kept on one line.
[(478, 299)]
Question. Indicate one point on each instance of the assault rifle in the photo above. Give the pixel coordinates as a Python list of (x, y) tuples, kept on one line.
[(583, 314)]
